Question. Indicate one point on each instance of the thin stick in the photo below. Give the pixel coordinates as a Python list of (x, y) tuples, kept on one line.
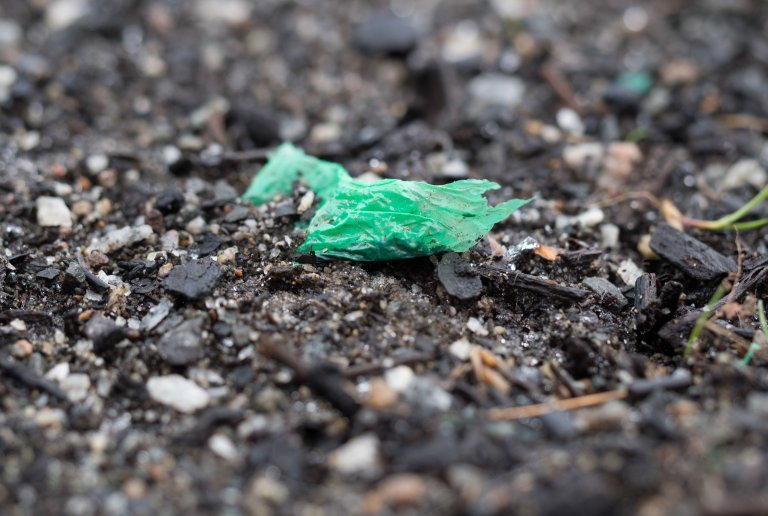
[(561, 87), (540, 409)]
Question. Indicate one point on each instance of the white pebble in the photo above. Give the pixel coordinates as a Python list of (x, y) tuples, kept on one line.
[(460, 349), (745, 172), (590, 218), (223, 446), (119, 238), (610, 236), (58, 372), (359, 455), (76, 386), (570, 121), (399, 378), (629, 272), (178, 392), (53, 211), (97, 163), (196, 226), (477, 327)]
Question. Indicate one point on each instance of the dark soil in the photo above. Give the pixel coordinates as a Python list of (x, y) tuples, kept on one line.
[(171, 353)]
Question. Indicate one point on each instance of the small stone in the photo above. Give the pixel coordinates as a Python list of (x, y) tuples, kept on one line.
[(58, 372), (74, 276), (103, 332), (608, 294), (397, 491), (53, 211), (306, 202), (155, 315), (48, 273), (621, 98), (164, 270), (757, 403), (358, 456), (325, 133), (97, 163), (18, 325), (196, 226), (63, 13), (225, 12), (610, 236), (570, 121), (399, 378), (170, 241), (21, 349), (50, 418), (253, 126), (194, 279), (119, 238), (514, 9), (178, 392), (463, 43), (228, 256), (183, 344), (386, 33), (745, 172), (238, 213), (381, 396), (455, 169), (82, 209), (590, 218), (477, 327), (103, 208), (223, 446), (76, 386), (460, 349), (171, 155), (679, 71), (452, 271), (615, 161), (97, 259), (629, 272), (170, 201), (8, 77), (224, 192), (10, 33), (493, 91)]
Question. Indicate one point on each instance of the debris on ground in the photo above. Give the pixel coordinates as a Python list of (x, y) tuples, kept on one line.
[(173, 338)]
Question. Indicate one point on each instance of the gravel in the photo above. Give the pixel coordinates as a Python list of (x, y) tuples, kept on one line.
[(178, 392)]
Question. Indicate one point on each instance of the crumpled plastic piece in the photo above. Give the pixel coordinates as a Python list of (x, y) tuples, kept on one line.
[(289, 164), (395, 219), (387, 220)]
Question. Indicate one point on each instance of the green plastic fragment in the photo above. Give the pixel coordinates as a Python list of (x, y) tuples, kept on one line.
[(387, 220), (289, 164), (395, 219), (639, 82)]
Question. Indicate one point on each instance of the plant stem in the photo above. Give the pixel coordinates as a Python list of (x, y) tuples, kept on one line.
[(702, 320), (730, 221)]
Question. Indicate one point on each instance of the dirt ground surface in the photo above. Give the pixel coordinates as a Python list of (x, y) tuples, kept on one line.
[(164, 349)]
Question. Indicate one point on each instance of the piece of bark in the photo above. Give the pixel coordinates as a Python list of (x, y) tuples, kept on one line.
[(693, 257), (654, 306)]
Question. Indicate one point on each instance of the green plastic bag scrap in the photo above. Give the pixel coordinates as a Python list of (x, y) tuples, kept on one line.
[(387, 220), (289, 164)]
